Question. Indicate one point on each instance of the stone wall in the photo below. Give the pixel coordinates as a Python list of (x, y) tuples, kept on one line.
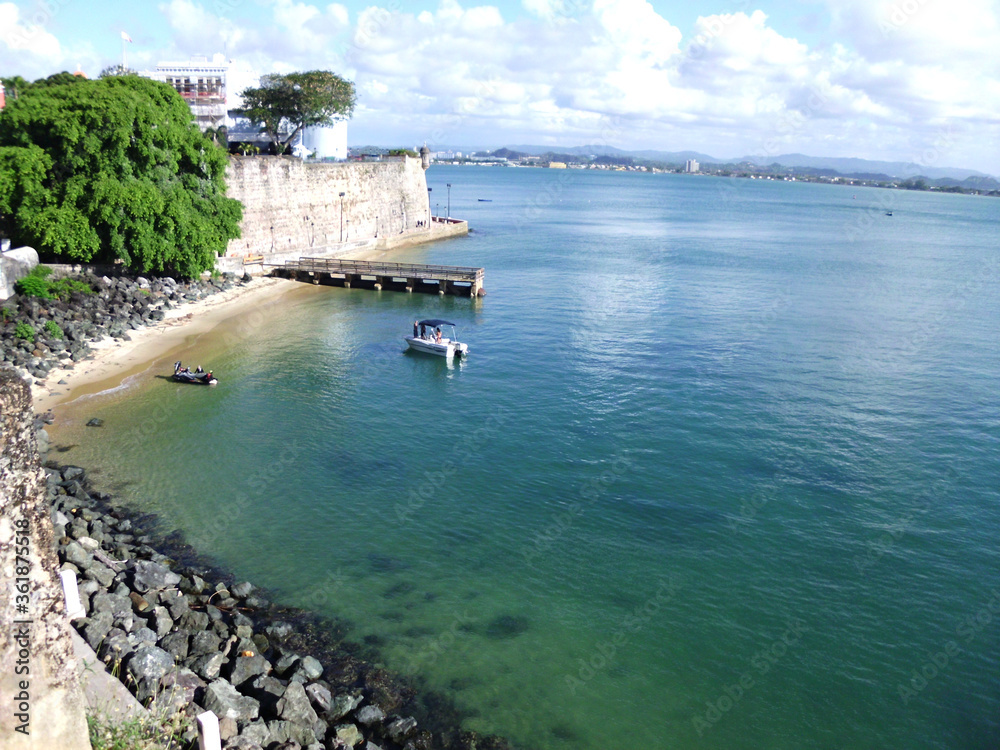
[(290, 205), (41, 703)]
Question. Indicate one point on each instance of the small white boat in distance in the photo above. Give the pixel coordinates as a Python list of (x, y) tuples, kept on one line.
[(428, 337)]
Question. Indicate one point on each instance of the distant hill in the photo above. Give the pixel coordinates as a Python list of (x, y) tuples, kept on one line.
[(897, 169), (819, 165)]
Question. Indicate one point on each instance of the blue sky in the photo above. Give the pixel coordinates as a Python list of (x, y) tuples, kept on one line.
[(906, 80)]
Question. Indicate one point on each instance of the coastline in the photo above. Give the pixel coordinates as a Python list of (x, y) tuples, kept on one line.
[(113, 361)]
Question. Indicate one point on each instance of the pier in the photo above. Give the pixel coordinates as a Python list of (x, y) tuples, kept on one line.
[(378, 275)]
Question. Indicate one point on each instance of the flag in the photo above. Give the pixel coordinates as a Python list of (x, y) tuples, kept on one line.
[(126, 37)]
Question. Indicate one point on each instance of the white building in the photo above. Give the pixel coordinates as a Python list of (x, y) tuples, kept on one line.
[(202, 83), (691, 165)]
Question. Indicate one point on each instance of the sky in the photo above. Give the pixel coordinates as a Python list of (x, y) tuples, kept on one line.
[(899, 80)]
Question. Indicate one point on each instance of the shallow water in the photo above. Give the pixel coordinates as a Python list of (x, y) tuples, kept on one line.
[(708, 432)]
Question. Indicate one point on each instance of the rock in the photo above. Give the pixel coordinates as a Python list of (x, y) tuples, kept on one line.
[(76, 554), (278, 630), (348, 734), (368, 715), (191, 621), (116, 605), (225, 701), (320, 696), (294, 706), (150, 663), (161, 621), (310, 668), (176, 643), (96, 627), (177, 691), (242, 590), (209, 666), (205, 642), (88, 543), (143, 636), (151, 576), (285, 731), (72, 472), (245, 668), (101, 574), (400, 729), (285, 664), (343, 705), (93, 422)]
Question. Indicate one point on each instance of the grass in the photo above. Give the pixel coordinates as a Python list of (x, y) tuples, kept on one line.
[(145, 733)]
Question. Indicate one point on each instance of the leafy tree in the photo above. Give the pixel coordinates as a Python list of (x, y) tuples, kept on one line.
[(113, 169), (297, 100), (117, 70), (14, 86), (403, 152)]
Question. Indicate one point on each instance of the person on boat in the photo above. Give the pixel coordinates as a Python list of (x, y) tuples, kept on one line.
[(423, 331), (199, 370), (437, 335), (415, 329), (210, 377)]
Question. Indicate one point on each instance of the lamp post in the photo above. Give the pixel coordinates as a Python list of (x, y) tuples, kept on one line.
[(429, 206), (342, 217), (449, 200)]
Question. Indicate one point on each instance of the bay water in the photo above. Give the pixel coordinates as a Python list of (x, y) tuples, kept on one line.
[(721, 470)]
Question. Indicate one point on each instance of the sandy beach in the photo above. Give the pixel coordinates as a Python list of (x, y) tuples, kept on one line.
[(113, 361)]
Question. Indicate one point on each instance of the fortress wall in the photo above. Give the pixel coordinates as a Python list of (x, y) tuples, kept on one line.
[(42, 704), (291, 205)]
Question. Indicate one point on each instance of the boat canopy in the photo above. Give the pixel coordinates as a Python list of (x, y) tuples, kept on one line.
[(435, 322)]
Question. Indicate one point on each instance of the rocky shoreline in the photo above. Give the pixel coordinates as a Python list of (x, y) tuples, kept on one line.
[(186, 638), (62, 330), (182, 635)]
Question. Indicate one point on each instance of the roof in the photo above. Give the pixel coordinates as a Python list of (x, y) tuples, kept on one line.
[(435, 322)]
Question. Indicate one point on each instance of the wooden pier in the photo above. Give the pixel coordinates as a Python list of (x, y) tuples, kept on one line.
[(402, 277)]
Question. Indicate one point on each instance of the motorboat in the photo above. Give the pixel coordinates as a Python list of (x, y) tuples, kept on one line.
[(428, 337), (198, 377)]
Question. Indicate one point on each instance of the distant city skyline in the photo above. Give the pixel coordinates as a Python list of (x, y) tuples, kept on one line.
[(903, 80)]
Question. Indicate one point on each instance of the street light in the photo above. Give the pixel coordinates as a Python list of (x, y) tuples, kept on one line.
[(342, 216), (449, 200), (429, 206)]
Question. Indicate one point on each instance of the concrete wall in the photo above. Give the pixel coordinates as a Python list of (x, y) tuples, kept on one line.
[(15, 265), (290, 205), (39, 682)]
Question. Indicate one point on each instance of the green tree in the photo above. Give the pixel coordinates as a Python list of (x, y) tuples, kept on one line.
[(295, 101), (113, 169), (14, 86)]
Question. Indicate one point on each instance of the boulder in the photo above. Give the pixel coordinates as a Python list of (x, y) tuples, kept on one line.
[(150, 663), (246, 668), (151, 576), (399, 729), (222, 699), (209, 666), (348, 734), (294, 706), (343, 705), (368, 715)]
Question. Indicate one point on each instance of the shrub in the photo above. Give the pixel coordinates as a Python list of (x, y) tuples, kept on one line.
[(52, 328), (24, 331), (63, 288), (37, 284)]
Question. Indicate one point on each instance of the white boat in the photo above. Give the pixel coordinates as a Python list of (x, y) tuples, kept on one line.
[(429, 338)]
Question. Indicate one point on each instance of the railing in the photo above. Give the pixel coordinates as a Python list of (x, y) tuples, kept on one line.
[(376, 268)]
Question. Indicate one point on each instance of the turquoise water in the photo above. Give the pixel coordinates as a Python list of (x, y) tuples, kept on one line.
[(721, 470)]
